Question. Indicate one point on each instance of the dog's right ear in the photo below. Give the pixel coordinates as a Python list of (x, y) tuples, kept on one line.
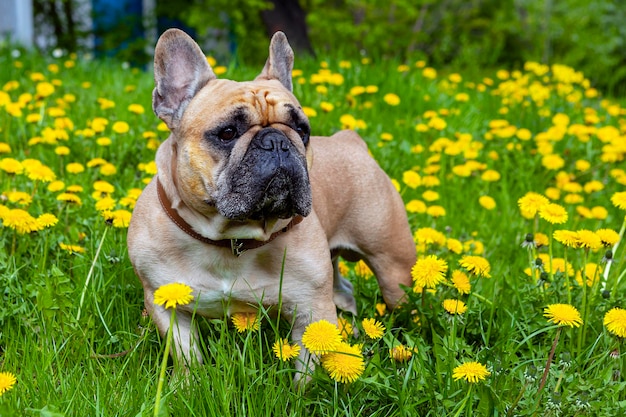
[(180, 71)]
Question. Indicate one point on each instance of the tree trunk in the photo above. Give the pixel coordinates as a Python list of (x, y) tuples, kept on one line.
[(288, 17)]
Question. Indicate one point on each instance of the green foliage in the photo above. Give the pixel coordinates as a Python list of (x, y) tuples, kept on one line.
[(71, 324)]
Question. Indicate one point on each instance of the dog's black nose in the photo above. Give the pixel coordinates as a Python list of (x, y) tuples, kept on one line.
[(271, 139)]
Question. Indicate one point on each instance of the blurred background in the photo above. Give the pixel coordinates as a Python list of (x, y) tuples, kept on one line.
[(588, 35)]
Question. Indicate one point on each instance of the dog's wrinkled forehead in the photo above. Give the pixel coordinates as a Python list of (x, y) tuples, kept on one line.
[(253, 102)]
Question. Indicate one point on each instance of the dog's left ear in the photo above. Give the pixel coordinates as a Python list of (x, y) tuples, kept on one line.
[(280, 62)]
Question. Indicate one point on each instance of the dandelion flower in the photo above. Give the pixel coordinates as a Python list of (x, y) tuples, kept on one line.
[(400, 353), (72, 249), (588, 239), (429, 236), (120, 127), (563, 315), (553, 213), (321, 337), (454, 306), (471, 372), (461, 282), (429, 271), (245, 321), (173, 294), (345, 363), (391, 99), (362, 270), (476, 265), (47, 220), (488, 203), (121, 218), (615, 321), (412, 179), (381, 309), (75, 168), (285, 351), (11, 166), (7, 380), (619, 200), (566, 237), (20, 221), (373, 328), (608, 237), (530, 204)]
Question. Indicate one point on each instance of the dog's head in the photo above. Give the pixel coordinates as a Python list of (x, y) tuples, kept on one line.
[(240, 147)]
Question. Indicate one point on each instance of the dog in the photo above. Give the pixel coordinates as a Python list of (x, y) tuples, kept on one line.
[(249, 209)]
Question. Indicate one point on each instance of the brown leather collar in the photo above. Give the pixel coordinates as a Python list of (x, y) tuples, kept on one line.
[(237, 246)]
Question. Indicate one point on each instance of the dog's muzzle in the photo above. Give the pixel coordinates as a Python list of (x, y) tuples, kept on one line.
[(270, 182)]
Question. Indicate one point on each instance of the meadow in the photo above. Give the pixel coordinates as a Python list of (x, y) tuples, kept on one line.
[(515, 187)]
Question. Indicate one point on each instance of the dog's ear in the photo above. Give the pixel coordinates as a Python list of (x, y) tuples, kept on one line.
[(180, 71), (280, 62)]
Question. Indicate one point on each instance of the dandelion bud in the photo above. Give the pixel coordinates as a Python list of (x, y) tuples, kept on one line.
[(529, 238), (544, 276), (608, 255), (606, 294), (538, 263)]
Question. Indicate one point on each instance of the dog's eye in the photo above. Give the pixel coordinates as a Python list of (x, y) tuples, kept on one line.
[(228, 133), (303, 131)]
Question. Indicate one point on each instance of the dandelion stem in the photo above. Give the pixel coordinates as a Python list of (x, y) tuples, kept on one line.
[(89, 275), (166, 353), (544, 377), (614, 250), (583, 275)]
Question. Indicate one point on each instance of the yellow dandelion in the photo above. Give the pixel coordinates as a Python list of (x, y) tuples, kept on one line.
[(11, 166), (392, 99), (47, 220), (530, 204), (70, 198), (429, 236), (75, 168), (461, 282), (245, 321), (401, 353), (553, 213), (171, 295), (454, 306), (471, 372), (373, 328), (40, 172), (20, 221), (619, 200), (476, 265), (72, 248), (541, 240), (136, 108), (381, 309), (566, 237), (121, 218), (615, 321), (588, 240), (7, 380), (412, 179), (608, 237), (488, 203), (563, 315), (345, 363), (284, 350), (429, 271), (120, 127), (436, 211), (321, 337), (362, 270)]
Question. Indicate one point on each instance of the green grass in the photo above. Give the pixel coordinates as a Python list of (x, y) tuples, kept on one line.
[(102, 357)]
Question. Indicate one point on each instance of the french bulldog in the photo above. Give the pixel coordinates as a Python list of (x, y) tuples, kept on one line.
[(248, 209)]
